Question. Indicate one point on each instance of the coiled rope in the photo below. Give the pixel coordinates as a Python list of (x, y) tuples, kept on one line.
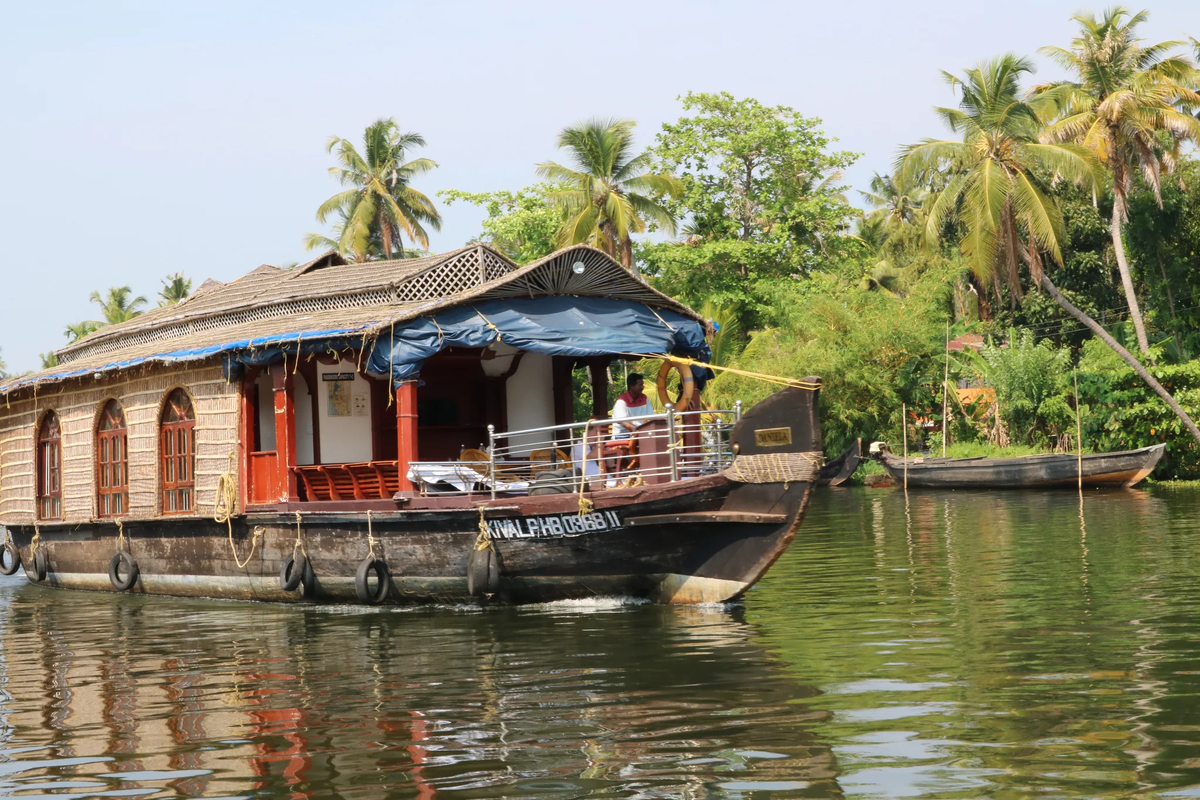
[(224, 509)]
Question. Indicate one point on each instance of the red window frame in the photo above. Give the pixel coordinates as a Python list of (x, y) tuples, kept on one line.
[(49, 468), (112, 462), (178, 447)]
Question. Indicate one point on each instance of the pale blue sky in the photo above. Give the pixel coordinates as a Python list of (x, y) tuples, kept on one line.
[(140, 139)]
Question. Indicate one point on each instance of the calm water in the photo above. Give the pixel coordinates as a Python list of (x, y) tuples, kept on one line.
[(966, 645)]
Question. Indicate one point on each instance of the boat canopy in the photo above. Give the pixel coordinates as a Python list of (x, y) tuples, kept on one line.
[(559, 326)]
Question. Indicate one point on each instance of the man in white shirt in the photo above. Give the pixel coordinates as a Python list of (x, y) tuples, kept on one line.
[(633, 403)]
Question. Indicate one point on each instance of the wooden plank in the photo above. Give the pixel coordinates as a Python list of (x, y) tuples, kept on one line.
[(707, 516)]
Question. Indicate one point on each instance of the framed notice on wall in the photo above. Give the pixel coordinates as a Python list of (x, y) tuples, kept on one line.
[(339, 386)]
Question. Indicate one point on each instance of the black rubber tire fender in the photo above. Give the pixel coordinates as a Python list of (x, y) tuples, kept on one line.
[(295, 570), (129, 563), (483, 572), (14, 559), (40, 567), (384, 577)]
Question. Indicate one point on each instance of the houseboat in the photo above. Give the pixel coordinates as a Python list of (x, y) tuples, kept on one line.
[(397, 432)]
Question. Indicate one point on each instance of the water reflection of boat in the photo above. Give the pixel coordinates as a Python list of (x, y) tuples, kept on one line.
[(310, 435), (1049, 470), (271, 701)]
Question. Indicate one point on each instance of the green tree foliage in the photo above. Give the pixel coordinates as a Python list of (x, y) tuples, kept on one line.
[(118, 304), (1164, 240), (997, 188), (1033, 384), (380, 201), (1121, 413), (872, 351), (523, 225), (612, 192), (78, 330), (1124, 104), (175, 287), (49, 359), (761, 200)]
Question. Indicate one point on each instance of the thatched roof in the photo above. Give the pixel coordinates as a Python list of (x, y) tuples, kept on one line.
[(328, 297)]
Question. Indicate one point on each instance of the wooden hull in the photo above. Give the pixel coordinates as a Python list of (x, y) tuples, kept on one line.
[(701, 540), (681, 558), (1054, 470)]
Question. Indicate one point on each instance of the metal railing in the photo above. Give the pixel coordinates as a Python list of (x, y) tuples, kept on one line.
[(599, 454)]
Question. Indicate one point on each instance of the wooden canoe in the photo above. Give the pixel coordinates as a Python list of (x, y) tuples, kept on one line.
[(1124, 468)]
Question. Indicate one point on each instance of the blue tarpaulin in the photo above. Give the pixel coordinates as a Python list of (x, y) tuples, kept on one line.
[(561, 326)]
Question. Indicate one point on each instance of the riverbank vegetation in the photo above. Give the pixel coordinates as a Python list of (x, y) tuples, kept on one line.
[(1051, 228)]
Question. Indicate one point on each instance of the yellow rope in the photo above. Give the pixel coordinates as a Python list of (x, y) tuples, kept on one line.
[(37, 540), (391, 365), (120, 534), (370, 538), (585, 503), (691, 362), (299, 546), (224, 509), (483, 541)]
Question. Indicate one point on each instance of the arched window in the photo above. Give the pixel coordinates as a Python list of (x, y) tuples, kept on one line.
[(49, 468), (178, 453), (112, 461)]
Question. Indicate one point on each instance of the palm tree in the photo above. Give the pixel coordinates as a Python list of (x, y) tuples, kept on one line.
[(1122, 106), (175, 288), (893, 203), (994, 188), (79, 330), (49, 359), (116, 305), (997, 196), (380, 201), (611, 189)]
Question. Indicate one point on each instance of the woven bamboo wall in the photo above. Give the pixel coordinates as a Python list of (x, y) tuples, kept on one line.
[(142, 394)]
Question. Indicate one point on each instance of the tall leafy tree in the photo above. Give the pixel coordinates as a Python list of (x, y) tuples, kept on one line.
[(380, 200), (118, 304), (175, 287), (996, 194), (761, 206), (49, 359), (612, 192), (524, 224), (1123, 104)]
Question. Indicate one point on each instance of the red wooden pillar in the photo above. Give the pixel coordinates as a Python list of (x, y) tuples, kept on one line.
[(406, 430), (246, 445), (285, 433)]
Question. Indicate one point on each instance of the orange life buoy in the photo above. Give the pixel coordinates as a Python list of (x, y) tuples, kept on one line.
[(686, 384)]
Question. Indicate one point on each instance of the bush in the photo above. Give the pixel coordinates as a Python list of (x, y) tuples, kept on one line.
[(1120, 412)]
